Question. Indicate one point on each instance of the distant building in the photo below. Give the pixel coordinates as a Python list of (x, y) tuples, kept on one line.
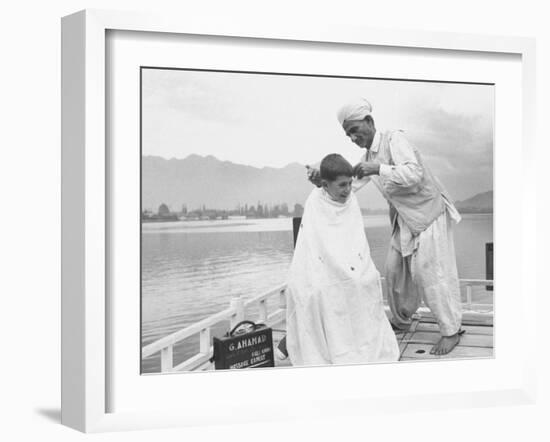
[(163, 215), (163, 210), (146, 215)]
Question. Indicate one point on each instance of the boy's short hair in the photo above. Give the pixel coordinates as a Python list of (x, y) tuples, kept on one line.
[(335, 165)]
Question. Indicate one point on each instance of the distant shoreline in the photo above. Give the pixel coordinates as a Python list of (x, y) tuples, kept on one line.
[(198, 223)]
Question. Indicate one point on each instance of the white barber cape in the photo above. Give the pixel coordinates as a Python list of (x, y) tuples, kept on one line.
[(335, 313)]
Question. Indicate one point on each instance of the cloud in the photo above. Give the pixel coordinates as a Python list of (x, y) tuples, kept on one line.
[(201, 96), (457, 146)]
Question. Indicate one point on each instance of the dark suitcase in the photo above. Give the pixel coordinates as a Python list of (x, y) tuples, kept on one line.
[(244, 347)]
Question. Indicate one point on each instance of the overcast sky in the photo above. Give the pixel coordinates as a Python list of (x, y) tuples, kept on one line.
[(273, 120)]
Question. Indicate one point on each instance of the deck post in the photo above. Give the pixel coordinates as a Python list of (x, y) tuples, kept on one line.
[(296, 221), (489, 264), (469, 296), (238, 304), (262, 311), (282, 299), (167, 359), (205, 340)]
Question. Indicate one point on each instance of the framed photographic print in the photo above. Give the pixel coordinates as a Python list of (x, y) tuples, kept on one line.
[(185, 192)]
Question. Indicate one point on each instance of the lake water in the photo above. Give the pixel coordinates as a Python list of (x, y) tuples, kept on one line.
[(191, 269)]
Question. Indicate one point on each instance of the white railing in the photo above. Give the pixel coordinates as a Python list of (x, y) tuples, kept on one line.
[(237, 312), (469, 306)]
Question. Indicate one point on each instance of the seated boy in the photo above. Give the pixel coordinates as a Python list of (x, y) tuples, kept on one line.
[(335, 313)]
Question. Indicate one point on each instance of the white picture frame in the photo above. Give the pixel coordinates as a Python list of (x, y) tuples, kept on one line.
[(85, 215)]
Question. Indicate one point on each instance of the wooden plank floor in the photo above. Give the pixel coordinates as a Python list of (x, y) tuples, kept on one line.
[(415, 343)]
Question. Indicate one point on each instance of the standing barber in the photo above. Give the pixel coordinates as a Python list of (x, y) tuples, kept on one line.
[(421, 262)]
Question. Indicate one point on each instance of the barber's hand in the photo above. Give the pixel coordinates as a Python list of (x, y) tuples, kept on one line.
[(364, 169), (314, 175)]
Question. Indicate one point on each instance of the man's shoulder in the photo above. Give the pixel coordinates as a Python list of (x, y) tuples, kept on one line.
[(396, 138), (392, 133)]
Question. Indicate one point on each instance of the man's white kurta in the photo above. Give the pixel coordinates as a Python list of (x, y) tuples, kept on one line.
[(418, 266), (335, 313)]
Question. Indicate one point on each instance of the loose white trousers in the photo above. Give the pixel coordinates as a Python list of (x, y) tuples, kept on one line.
[(428, 274)]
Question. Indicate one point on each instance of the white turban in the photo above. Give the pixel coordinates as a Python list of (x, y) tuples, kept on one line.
[(354, 110)]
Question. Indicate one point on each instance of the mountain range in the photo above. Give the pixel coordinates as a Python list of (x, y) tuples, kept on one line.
[(198, 181), (206, 181), (479, 203)]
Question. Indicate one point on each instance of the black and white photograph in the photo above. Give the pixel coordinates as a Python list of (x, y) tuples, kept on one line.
[(305, 220), (302, 220)]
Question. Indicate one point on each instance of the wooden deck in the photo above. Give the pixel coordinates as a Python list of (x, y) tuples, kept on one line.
[(476, 342), (416, 342)]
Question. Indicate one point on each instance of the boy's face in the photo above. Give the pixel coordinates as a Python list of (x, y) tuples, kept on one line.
[(339, 189)]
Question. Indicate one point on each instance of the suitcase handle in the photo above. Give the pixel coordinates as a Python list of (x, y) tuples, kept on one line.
[(253, 324)]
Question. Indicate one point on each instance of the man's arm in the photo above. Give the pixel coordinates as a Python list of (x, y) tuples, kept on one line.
[(359, 183)]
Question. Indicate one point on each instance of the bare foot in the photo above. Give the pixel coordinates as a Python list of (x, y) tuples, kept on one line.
[(445, 344)]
